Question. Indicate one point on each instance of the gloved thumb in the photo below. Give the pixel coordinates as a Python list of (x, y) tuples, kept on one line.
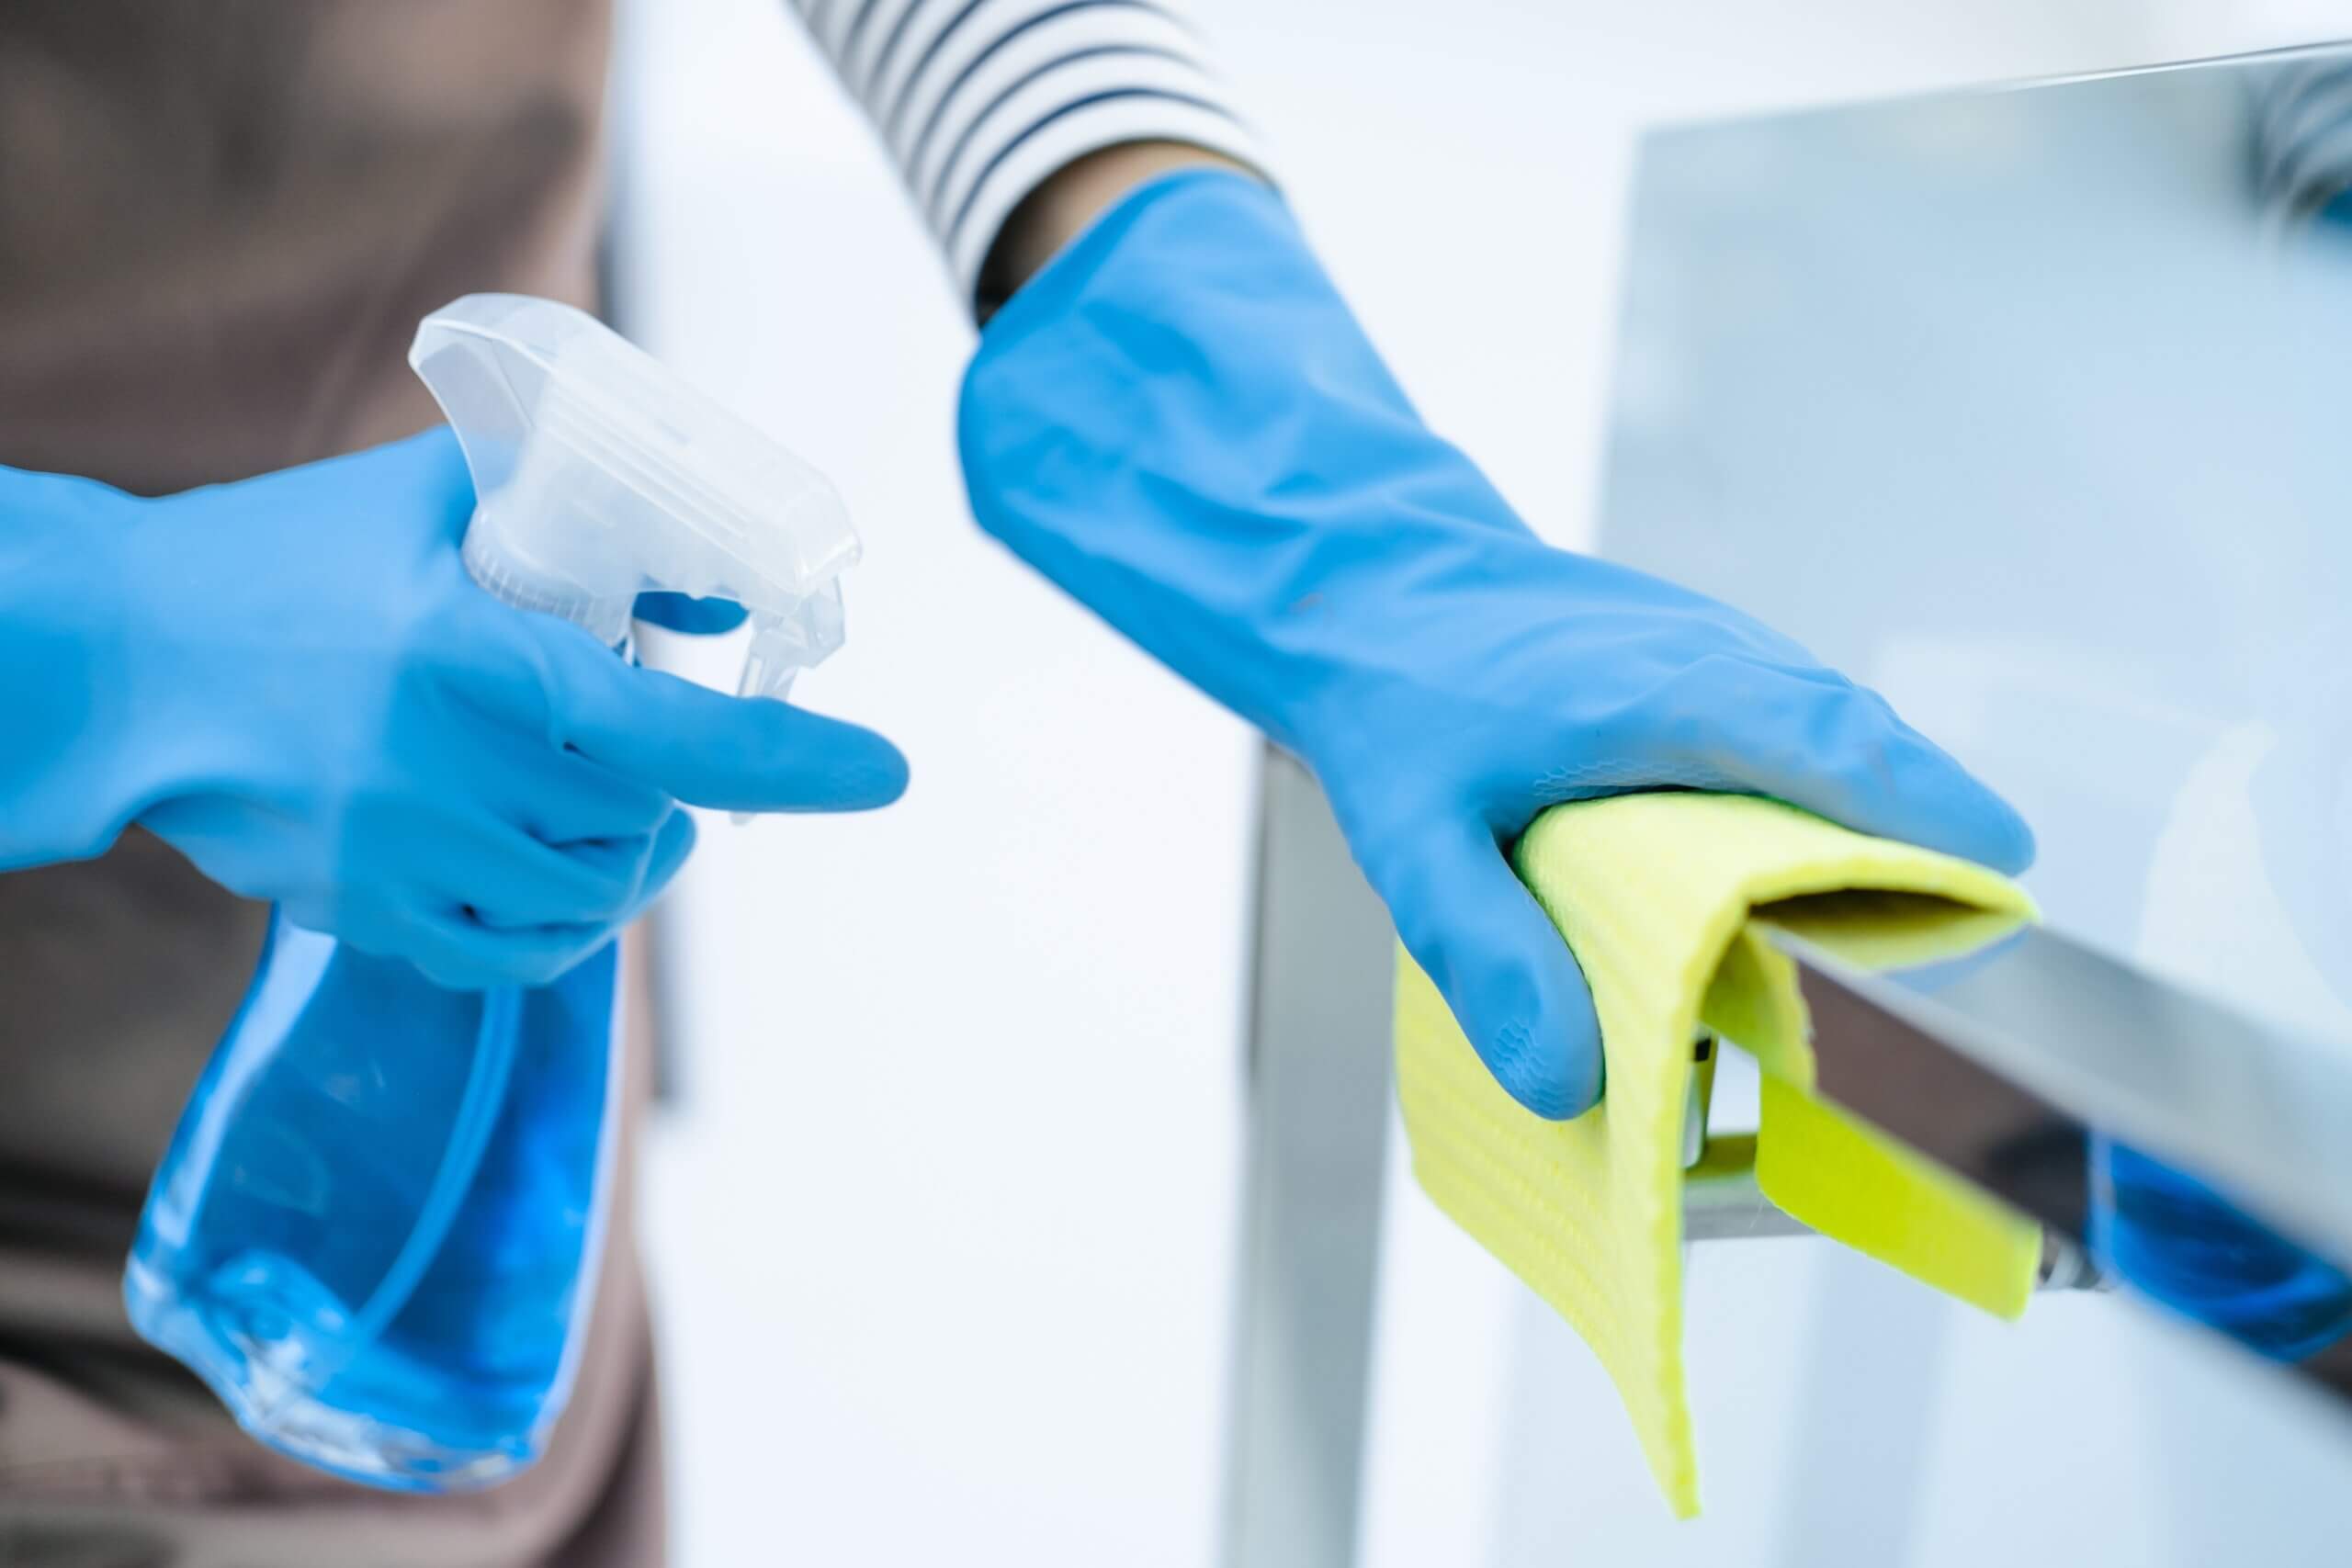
[(1513, 986)]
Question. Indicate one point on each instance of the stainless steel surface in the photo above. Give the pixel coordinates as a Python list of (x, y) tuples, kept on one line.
[(1698, 1097), (2020, 407), (2072, 1039), (1721, 1200), (2027, 408), (1317, 1085), (2066, 1267), (2005, 1067)]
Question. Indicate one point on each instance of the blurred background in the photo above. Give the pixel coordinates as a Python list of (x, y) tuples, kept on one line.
[(942, 1218)]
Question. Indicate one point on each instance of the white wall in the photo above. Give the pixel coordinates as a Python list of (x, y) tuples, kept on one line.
[(943, 1234), (941, 1240)]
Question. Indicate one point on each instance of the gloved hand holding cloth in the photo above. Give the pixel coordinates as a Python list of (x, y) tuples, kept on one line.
[(1179, 421)]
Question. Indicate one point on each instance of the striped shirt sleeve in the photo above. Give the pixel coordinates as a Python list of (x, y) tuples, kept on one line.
[(979, 101)]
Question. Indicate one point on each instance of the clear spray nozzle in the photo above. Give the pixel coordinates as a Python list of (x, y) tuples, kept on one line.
[(599, 475), (784, 645)]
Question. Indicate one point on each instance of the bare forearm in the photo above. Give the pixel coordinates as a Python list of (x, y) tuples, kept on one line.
[(1073, 198)]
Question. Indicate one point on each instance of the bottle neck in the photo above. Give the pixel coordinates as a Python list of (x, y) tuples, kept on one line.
[(509, 577)]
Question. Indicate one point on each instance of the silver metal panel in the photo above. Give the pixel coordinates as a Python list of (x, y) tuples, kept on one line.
[(1317, 1121), (2028, 407), (1721, 1200), (2256, 1110)]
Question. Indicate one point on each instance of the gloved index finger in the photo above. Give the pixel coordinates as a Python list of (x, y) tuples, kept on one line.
[(735, 753), (1815, 739)]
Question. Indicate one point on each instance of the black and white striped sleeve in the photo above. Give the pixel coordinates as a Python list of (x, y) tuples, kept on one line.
[(979, 101)]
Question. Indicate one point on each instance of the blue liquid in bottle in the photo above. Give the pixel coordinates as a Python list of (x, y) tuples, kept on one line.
[(377, 1229)]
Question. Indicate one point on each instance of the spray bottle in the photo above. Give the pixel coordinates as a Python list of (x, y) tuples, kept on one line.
[(376, 1232)]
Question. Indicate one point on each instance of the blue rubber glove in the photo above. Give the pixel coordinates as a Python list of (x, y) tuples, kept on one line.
[(1179, 422), (2181, 1243), (293, 682)]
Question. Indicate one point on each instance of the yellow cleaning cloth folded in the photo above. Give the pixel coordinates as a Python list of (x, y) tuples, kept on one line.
[(1658, 897)]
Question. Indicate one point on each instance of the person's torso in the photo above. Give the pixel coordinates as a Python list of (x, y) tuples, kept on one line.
[(219, 223)]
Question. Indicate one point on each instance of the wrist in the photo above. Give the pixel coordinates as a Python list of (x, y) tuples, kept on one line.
[(72, 775), (1066, 203)]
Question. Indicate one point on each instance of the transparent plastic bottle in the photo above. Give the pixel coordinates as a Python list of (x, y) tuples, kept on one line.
[(374, 1232), (377, 1229)]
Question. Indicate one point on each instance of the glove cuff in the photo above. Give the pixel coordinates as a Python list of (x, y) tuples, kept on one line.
[(71, 779)]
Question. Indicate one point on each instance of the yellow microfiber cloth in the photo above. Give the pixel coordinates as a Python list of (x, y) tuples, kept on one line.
[(1660, 896)]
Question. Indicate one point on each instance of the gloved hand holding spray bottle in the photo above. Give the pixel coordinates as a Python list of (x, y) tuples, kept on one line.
[(377, 1231)]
